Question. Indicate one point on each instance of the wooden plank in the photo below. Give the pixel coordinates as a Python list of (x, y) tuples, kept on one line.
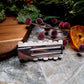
[(10, 33), (9, 21)]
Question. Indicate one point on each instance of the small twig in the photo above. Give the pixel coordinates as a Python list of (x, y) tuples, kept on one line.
[(58, 39), (54, 28), (61, 39)]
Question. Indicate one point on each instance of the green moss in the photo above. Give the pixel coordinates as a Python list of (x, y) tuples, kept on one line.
[(28, 11)]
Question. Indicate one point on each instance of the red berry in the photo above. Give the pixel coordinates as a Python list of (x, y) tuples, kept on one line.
[(39, 21), (28, 21), (47, 25), (54, 20), (61, 24), (66, 25), (81, 48), (41, 36), (54, 33), (65, 42)]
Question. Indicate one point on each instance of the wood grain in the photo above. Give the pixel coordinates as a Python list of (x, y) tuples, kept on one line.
[(10, 33), (9, 21)]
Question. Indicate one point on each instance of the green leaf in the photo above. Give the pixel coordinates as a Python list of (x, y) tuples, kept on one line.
[(78, 3)]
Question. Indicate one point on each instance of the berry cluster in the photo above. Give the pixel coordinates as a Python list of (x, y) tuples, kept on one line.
[(48, 27), (64, 25), (43, 35), (54, 33)]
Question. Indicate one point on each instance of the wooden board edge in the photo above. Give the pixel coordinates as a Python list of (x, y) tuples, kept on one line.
[(14, 51)]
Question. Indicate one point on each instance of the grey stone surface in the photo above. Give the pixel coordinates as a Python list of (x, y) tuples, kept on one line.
[(12, 71), (65, 71), (68, 70)]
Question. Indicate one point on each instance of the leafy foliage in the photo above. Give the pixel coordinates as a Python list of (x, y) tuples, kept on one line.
[(1, 6), (2, 15), (75, 11), (68, 10), (50, 1), (52, 7), (19, 8), (28, 11), (2, 12), (78, 8)]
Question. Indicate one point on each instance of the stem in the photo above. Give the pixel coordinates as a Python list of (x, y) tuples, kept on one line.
[(58, 39), (61, 39), (54, 28), (36, 24)]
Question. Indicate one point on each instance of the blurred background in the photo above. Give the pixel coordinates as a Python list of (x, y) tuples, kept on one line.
[(67, 10)]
